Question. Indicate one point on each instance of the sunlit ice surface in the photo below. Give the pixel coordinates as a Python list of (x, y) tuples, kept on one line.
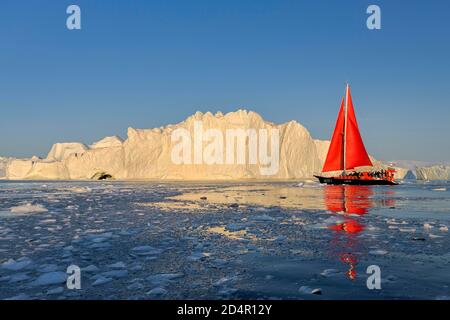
[(278, 240)]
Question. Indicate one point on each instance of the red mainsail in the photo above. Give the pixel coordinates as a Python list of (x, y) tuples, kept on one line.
[(346, 148), (335, 155)]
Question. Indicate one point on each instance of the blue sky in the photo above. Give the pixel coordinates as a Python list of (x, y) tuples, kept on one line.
[(148, 63)]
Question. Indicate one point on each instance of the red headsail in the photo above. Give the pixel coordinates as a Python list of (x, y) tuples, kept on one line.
[(355, 153)]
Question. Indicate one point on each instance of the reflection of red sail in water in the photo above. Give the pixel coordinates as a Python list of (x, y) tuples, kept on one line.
[(351, 260), (349, 200), (349, 226)]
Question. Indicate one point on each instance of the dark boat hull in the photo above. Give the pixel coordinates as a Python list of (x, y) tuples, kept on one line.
[(358, 182)]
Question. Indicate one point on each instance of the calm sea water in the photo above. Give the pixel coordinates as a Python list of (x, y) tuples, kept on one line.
[(221, 241)]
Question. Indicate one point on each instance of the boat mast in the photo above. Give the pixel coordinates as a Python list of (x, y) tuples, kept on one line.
[(345, 127)]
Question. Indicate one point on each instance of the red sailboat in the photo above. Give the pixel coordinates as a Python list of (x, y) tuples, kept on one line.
[(347, 160)]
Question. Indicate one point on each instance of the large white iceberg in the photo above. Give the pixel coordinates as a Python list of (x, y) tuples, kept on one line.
[(438, 172)]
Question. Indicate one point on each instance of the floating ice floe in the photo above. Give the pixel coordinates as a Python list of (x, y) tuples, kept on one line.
[(47, 221), (90, 268), (198, 256), (28, 208), (329, 272), (99, 241), (163, 278), (224, 280), (261, 218), (57, 290), (20, 296), (145, 250), (45, 268), (227, 291), (135, 285), (434, 236), (427, 226), (102, 245), (308, 290), (50, 278), (330, 221), (158, 291), (19, 277), (236, 226), (127, 232), (101, 280), (136, 267), (78, 189), (117, 274), (389, 279), (310, 184), (117, 265), (14, 265), (378, 252), (395, 222)]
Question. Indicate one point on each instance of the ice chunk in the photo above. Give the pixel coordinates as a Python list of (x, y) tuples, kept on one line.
[(19, 277), (115, 274), (378, 252), (28, 208), (308, 290), (101, 280), (13, 265), (236, 226), (427, 226), (57, 290), (135, 286), (159, 291), (198, 256), (224, 280), (145, 250), (117, 265), (329, 272), (20, 296), (45, 268), (90, 268), (50, 278), (163, 278), (263, 217)]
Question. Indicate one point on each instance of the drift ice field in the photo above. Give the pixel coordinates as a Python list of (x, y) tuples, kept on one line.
[(296, 240)]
